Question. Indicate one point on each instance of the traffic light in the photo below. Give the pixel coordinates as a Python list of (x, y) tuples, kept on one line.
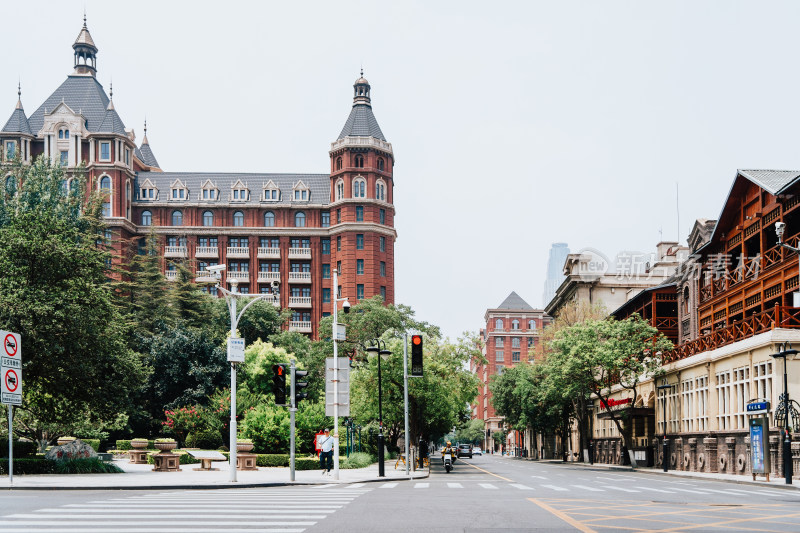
[(299, 386), (279, 383), (416, 356)]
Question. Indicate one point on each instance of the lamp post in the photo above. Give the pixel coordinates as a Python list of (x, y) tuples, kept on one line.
[(786, 355), (665, 443), (346, 308), (590, 411), (383, 352), (231, 298)]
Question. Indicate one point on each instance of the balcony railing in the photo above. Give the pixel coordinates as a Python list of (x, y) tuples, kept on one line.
[(238, 275), (238, 252), (206, 251), (269, 276), (171, 275), (269, 253), (204, 276), (299, 253), (174, 251), (272, 299), (777, 317), (300, 277), (301, 326), (299, 301)]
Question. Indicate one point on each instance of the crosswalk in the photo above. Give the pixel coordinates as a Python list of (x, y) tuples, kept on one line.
[(276, 510)]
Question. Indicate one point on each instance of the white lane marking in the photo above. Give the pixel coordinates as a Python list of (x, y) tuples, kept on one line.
[(584, 487), (553, 487), (356, 485), (178, 510), (619, 488), (218, 526), (521, 487), (722, 491), (421, 485), (388, 486), (656, 490), (148, 530), (487, 485), (157, 515), (455, 486), (689, 490), (539, 477), (326, 486)]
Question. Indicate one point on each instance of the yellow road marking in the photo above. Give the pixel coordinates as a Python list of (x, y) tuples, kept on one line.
[(724, 523), (491, 473), (569, 520)]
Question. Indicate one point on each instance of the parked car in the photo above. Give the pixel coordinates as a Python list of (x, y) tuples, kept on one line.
[(465, 450), (477, 451)]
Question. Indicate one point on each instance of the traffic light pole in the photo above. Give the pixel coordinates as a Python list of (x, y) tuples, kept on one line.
[(336, 301), (405, 399), (292, 409)]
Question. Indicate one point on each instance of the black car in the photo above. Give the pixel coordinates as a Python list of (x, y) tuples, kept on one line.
[(465, 450)]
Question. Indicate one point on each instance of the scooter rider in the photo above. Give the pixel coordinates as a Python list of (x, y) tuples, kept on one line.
[(447, 449)]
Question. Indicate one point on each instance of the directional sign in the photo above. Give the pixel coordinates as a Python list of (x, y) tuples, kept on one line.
[(339, 332), (756, 408), (236, 350), (11, 368), (344, 386)]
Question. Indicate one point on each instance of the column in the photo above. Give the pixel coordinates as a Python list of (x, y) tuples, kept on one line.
[(710, 445), (91, 151), (79, 157)]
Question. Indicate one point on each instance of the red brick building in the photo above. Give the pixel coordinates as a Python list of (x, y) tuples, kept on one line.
[(512, 335), (295, 228)]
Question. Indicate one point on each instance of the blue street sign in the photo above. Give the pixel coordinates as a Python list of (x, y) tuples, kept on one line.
[(757, 408)]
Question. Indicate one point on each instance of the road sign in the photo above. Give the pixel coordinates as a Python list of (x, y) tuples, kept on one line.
[(757, 408), (236, 350), (11, 368), (339, 332), (344, 386)]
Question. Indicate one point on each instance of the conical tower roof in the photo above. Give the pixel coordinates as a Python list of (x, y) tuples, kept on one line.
[(514, 301), (361, 122), (18, 123)]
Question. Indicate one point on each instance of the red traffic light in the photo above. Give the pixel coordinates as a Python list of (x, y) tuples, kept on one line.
[(416, 339)]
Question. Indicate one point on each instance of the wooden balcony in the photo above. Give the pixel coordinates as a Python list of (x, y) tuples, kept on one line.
[(206, 252), (175, 251), (238, 252), (269, 253), (269, 276), (301, 326), (299, 301), (777, 317), (299, 277), (299, 253)]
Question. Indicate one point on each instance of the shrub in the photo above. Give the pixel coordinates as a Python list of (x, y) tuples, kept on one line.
[(306, 463), (94, 443), (272, 459), (28, 466), (22, 449), (91, 465), (357, 460), (208, 440)]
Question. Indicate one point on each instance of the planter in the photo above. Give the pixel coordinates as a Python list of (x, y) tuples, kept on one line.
[(244, 446), (166, 446), (139, 444), (64, 440)]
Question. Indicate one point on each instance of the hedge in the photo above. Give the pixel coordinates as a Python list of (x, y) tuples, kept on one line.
[(22, 449), (47, 466), (94, 443)]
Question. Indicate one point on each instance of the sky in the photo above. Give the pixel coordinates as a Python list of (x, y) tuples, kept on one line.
[(514, 124)]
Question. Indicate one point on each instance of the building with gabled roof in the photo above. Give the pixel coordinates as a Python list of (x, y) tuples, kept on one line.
[(265, 227)]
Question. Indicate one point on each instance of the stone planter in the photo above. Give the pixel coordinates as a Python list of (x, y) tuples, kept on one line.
[(64, 440), (166, 446), (244, 446), (139, 444)]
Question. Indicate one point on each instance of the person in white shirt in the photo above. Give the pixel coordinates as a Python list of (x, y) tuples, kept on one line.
[(325, 443)]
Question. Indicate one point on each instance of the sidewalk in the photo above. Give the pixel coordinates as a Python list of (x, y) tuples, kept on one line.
[(142, 477), (774, 482)]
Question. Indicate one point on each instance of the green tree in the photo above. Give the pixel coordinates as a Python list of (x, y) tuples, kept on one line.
[(54, 291), (471, 431), (187, 301)]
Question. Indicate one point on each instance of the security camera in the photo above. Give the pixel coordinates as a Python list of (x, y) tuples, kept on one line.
[(780, 227), (275, 284), (216, 269), (346, 307)]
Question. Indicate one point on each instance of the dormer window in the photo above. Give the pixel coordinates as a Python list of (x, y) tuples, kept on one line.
[(178, 191), (359, 188), (178, 194), (209, 194), (239, 192), (301, 192), (271, 192), (63, 133)]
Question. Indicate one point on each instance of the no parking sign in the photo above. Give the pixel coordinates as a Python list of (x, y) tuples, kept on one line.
[(11, 368)]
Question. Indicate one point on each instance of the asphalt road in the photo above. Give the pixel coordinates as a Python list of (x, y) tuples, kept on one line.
[(483, 494)]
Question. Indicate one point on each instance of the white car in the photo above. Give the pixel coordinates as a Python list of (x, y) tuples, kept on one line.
[(477, 451)]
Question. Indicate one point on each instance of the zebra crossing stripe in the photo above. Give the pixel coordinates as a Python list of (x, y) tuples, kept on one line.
[(521, 487), (356, 485), (553, 487), (148, 530), (388, 485), (487, 485), (689, 490), (619, 488), (592, 489), (455, 486), (656, 490), (422, 485)]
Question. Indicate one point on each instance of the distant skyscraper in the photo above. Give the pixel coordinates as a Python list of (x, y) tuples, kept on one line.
[(555, 270)]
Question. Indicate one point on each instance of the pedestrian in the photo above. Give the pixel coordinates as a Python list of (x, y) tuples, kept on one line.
[(325, 443)]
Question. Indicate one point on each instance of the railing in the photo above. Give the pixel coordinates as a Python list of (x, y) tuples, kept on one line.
[(299, 301), (272, 299), (269, 276), (300, 277), (269, 253), (238, 251), (206, 251), (301, 326), (171, 275), (204, 276), (362, 141), (238, 275), (299, 253), (777, 317), (174, 251)]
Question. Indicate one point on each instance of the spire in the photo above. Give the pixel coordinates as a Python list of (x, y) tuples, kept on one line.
[(18, 122), (19, 95), (85, 52), (361, 122), (110, 96), (144, 141)]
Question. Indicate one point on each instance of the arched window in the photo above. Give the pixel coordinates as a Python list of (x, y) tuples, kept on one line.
[(10, 185), (105, 184), (238, 219), (338, 163), (147, 218), (380, 190), (300, 219), (380, 163), (515, 324), (531, 324), (128, 200), (498, 324), (359, 160), (269, 219), (339, 189), (177, 218), (208, 218), (105, 188), (359, 188)]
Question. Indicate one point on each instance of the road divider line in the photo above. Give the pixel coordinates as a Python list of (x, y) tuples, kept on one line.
[(491, 473), (568, 519), (584, 487)]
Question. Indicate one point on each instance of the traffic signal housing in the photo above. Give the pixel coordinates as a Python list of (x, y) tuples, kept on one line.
[(416, 356), (298, 386), (279, 383)]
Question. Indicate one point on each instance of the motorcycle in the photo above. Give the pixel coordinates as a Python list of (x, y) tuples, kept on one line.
[(448, 460)]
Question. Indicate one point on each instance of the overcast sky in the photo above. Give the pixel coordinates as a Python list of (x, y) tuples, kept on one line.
[(514, 124)]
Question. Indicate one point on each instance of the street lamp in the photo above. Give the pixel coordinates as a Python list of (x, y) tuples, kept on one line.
[(346, 308), (786, 355), (384, 353), (231, 297), (590, 411), (780, 228), (665, 443)]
